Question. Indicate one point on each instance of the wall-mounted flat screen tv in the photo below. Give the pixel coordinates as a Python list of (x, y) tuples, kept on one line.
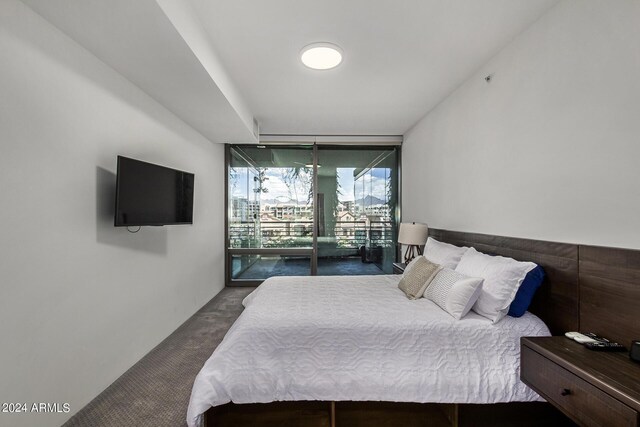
[(148, 194)]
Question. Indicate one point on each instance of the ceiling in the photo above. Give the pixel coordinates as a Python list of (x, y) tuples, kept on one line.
[(156, 45), (220, 64), (401, 57)]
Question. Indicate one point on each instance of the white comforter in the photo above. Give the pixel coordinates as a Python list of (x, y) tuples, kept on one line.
[(360, 338)]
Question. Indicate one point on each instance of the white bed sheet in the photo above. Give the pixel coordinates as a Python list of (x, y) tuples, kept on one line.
[(360, 338)]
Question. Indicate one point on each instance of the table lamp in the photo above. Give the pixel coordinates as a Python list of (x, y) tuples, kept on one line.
[(413, 235)]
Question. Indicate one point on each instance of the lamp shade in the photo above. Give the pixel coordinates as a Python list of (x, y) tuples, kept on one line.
[(412, 233)]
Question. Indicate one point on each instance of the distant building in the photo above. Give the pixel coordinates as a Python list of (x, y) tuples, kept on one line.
[(379, 210), (289, 211), (346, 206), (244, 210), (239, 209), (291, 224), (346, 217)]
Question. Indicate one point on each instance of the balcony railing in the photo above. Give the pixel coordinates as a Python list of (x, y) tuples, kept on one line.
[(274, 234)]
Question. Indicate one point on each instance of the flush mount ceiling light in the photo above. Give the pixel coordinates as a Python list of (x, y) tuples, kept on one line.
[(321, 56)]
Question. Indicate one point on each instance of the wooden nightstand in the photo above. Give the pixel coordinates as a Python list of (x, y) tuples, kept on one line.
[(398, 267), (592, 388)]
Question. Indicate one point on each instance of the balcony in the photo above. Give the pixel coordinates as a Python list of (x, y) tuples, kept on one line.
[(344, 248)]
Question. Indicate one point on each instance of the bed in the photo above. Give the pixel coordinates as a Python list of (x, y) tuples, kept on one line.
[(360, 339)]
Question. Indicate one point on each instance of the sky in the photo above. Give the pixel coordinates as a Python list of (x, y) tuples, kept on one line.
[(373, 183)]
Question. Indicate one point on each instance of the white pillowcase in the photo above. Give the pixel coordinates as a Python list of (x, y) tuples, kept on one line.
[(443, 253), (454, 292), (502, 278)]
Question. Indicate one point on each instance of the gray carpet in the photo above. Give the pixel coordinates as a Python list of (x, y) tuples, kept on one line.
[(155, 391)]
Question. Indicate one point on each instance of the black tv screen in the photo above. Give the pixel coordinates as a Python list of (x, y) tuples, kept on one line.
[(148, 194)]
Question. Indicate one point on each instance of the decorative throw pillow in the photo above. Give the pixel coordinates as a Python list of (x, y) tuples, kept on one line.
[(443, 253), (527, 290), (416, 279), (454, 292), (409, 266), (502, 278)]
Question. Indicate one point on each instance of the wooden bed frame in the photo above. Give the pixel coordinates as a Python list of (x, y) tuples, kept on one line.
[(587, 288)]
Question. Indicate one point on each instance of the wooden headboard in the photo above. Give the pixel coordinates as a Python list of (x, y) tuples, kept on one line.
[(556, 302), (588, 288), (610, 293)]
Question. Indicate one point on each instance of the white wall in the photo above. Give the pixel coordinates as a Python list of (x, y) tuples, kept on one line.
[(550, 148), (82, 301)]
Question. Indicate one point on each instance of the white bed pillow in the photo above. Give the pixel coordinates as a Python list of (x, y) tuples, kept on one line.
[(502, 278), (454, 292), (444, 254)]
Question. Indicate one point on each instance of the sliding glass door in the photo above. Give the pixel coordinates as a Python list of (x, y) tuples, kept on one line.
[(302, 210), (269, 212), (356, 201)]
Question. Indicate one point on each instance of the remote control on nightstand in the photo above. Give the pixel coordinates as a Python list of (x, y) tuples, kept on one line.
[(580, 338), (605, 346)]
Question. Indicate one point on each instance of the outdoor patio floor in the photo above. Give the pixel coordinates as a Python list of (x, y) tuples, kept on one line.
[(268, 267)]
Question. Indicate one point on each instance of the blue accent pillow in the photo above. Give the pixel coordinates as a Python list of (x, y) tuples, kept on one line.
[(528, 288)]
